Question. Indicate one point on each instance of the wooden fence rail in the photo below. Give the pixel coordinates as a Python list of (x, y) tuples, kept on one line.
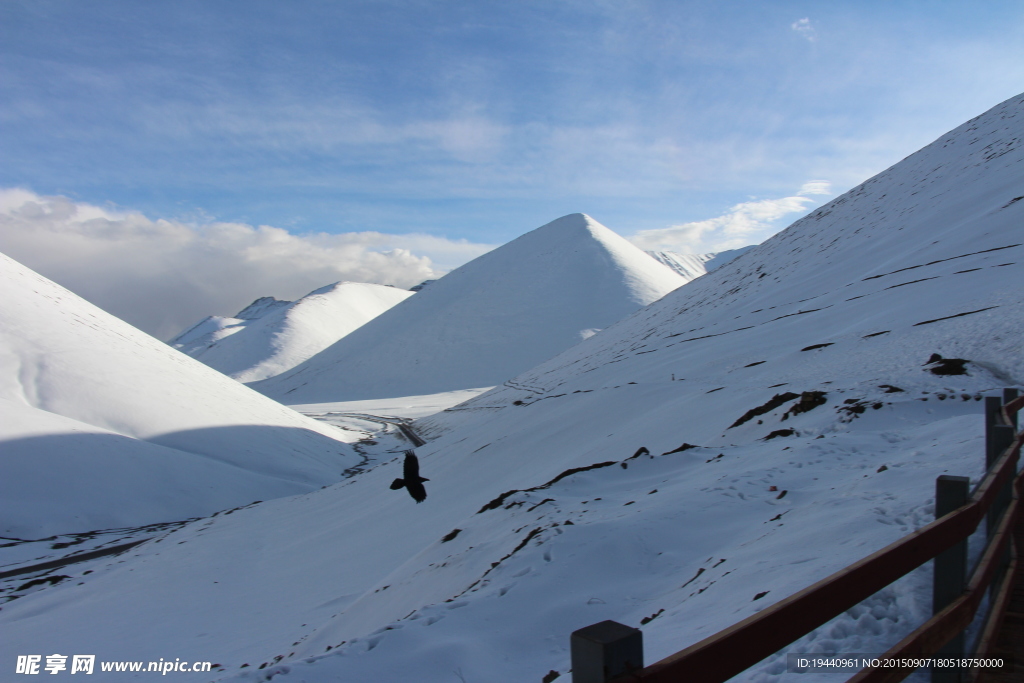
[(727, 653)]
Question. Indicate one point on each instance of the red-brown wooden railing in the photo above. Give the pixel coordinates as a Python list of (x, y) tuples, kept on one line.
[(737, 648)]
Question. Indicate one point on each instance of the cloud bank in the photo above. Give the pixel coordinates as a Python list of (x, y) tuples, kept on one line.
[(746, 223), (163, 275)]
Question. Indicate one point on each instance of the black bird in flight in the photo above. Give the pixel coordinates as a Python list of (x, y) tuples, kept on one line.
[(411, 479)]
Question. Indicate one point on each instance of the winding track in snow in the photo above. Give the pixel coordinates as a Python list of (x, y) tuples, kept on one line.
[(402, 424), (72, 559)]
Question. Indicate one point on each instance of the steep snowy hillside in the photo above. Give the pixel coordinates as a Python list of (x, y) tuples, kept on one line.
[(487, 320), (213, 328), (282, 336), (737, 440), (105, 426), (692, 266)]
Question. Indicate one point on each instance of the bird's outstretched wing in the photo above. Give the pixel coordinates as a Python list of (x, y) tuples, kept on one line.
[(411, 468)]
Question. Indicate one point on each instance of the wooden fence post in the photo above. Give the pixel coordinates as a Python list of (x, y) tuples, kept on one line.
[(1009, 395), (950, 578), (998, 437), (602, 651)]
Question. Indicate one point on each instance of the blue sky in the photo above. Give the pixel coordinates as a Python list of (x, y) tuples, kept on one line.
[(443, 128)]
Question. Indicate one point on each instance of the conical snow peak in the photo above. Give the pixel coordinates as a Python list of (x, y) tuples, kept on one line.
[(488, 320)]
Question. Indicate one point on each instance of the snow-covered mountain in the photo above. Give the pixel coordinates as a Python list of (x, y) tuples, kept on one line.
[(213, 328), (105, 426), (271, 336), (488, 320), (730, 444), (692, 266)]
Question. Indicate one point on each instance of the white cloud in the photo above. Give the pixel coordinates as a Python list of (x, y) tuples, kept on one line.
[(815, 187), (804, 28), (162, 276), (746, 223)]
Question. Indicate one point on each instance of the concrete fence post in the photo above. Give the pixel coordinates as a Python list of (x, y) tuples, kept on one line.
[(950, 578), (602, 651)]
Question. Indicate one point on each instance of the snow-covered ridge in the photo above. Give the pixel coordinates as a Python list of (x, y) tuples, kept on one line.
[(692, 266), (907, 245), (270, 336), (487, 320), (211, 329), (263, 306), (105, 426), (613, 481)]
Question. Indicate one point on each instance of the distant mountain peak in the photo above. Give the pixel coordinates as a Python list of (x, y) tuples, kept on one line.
[(278, 335), (261, 307), (692, 266), (489, 319)]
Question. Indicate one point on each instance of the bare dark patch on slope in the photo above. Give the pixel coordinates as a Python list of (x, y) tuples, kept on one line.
[(495, 565), (39, 582), (684, 447), (699, 572), (770, 405), (640, 451), (647, 620), (958, 315), (931, 263), (809, 400), (497, 502), (1012, 201), (904, 284), (937, 365), (790, 315)]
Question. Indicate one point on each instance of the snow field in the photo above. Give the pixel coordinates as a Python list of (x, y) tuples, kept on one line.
[(538, 521)]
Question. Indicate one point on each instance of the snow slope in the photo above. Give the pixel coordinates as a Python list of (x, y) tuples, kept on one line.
[(543, 515), (213, 328), (105, 426), (692, 266), (252, 347), (488, 320)]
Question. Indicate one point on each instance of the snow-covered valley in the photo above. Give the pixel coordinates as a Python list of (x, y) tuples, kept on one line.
[(711, 453)]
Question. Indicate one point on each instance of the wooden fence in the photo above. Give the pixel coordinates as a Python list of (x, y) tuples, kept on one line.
[(611, 652)]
